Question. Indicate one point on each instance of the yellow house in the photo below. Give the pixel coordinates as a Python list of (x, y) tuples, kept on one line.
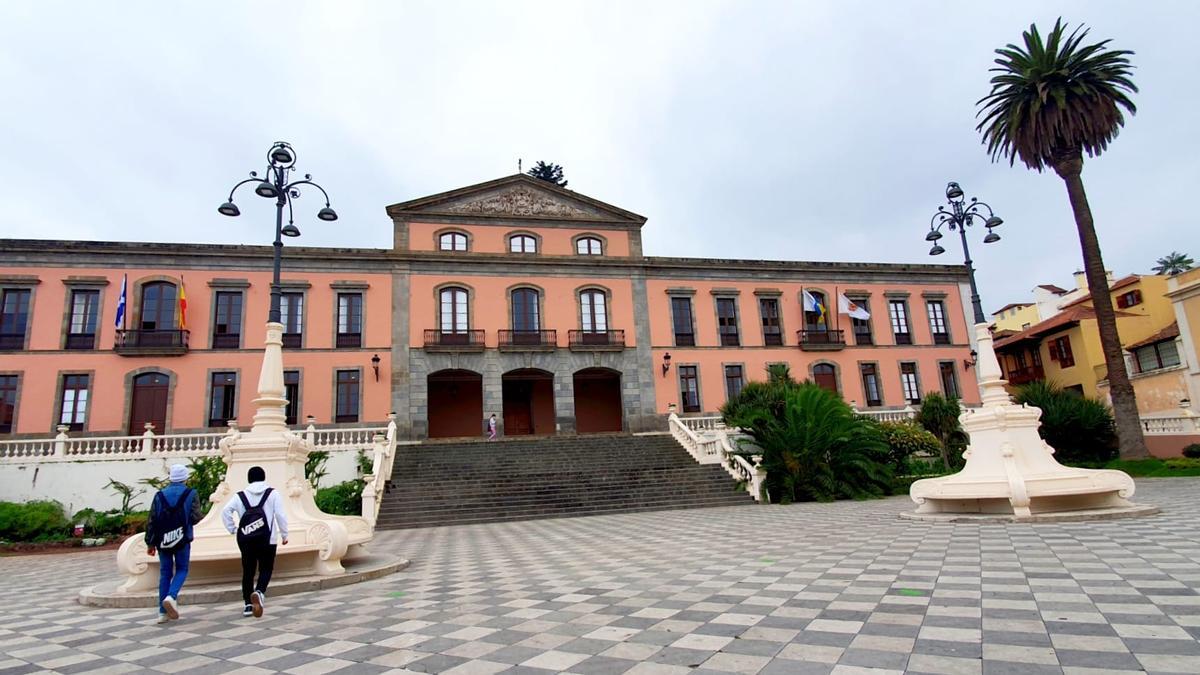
[(1015, 316), (1066, 347)]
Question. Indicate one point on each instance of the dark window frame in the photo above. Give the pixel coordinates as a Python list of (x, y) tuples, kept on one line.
[(689, 383), (950, 387), (871, 370), (937, 319), (526, 310), (735, 380), (347, 395), (291, 315), (589, 246), (772, 325), (862, 327), (10, 389), (1060, 351), (353, 319), (78, 387), (727, 323), (449, 242), (589, 298), (898, 319), (155, 307), (291, 391), (912, 396), (79, 336), (227, 319), (222, 397), (682, 305), (16, 304)]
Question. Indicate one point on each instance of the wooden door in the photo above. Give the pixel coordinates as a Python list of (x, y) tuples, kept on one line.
[(149, 403), (518, 408)]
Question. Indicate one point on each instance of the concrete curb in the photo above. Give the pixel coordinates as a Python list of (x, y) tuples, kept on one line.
[(359, 570)]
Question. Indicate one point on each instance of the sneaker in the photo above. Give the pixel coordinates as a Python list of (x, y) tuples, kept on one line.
[(162, 618), (257, 601), (247, 611), (171, 607)]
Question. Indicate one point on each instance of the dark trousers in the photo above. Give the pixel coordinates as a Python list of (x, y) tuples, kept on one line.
[(262, 559)]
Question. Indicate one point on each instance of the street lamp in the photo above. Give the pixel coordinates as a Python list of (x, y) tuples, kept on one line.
[(281, 161), (959, 217)]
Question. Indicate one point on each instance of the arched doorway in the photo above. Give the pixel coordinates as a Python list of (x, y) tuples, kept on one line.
[(597, 400), (455, 403), (528, 402), (825, 375), (148, 403)]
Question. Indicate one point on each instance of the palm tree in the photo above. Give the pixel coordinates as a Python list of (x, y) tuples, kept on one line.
[(1050, 102), (1173, 263)]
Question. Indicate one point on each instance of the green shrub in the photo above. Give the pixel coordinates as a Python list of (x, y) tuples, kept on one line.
[(939, 416), (905, 439), (109, 523), (207, 474), (1192, 451), (814, 446), (1079, 429), (343, 499), (33, 521), (314, 467)]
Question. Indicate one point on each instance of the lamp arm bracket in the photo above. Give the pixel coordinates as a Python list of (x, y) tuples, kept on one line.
[(240, 184), (289, 186)]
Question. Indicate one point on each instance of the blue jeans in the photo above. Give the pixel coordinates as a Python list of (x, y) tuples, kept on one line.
[(172, 572)]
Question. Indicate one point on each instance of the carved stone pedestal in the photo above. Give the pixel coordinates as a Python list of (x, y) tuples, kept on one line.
[(1011, 473)]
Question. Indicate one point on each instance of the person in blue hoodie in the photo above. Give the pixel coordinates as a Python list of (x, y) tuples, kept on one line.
[(173, 512), (257, 516)]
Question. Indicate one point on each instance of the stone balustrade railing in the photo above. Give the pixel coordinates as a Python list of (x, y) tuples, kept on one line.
[(903, 415), (1184, 423), (712, 446)]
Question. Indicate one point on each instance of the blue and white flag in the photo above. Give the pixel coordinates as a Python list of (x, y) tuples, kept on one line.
[(121, 301), (811, 304)]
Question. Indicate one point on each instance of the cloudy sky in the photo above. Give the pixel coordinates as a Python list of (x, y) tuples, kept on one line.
[(794, 130)]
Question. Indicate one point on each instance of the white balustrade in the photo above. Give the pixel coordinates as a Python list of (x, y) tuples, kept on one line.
[(712, 447), (1183, 424), (702, 423), (903, 415)]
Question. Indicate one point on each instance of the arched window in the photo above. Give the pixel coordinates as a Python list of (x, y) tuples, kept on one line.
[(452, 241), (525, 317), (522, 243), (455, 318), (825, 376), (159, 303), (594, 313), (589, 246), (814, 320)]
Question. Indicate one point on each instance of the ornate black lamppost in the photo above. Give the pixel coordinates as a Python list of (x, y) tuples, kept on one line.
[(281, 161), (958, 218)]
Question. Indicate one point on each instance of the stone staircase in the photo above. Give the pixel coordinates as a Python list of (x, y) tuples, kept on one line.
[(454, 483)]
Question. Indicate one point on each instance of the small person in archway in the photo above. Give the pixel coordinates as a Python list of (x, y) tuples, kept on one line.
[(492, 427)]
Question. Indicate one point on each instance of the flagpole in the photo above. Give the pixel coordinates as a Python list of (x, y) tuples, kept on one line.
[(125, 296), (837, 307)]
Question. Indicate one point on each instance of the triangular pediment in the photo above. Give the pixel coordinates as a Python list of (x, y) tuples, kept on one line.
[(516, 197)]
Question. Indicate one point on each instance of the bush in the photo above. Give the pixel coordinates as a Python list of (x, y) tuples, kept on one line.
[(314, 467), (905, 439), (207, 474), (111, 522), (343, 499), (1157, 468), (939, 416), (1079, 429), (33, 521), (814, 446), (1192, 451)]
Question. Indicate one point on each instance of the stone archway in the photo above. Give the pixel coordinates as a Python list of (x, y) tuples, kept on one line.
[(528, 395), (455, 403), (597, 400)]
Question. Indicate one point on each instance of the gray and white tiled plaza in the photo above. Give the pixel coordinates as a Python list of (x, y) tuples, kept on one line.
[(845, 587)]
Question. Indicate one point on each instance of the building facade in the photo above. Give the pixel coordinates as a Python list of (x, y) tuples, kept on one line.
[(511, 297)]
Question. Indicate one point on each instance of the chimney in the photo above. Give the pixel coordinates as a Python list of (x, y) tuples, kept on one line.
[(1081, 280)]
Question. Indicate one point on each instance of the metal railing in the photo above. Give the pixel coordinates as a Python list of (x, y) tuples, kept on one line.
[(1017, 376), (527, 339), (822, 339), (596, 339), (459, 339), (169, 341)]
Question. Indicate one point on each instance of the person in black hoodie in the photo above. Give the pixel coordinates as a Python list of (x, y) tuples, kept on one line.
[(261, 525), (174, 511)]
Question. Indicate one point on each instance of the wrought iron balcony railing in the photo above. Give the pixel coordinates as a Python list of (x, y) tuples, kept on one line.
[(596, 340), (822, 340), (158, 342), (459, 340), (527, 340), (1017, 376)]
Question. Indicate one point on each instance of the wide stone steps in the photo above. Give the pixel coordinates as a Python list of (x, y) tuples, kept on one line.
[(444, 483)]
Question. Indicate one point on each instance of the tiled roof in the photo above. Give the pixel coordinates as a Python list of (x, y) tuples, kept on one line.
[(1169, 333), (1053, 289), (1119, 284), (1055, 323), (1010, 306)]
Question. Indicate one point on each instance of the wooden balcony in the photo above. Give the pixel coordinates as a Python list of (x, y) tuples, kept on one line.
[(596, 340), (454, 341), (151, 342), (527, 340), (1019, 376), (822, 340)]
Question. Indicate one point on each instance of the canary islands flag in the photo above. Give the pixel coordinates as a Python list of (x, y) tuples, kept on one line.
[(811, 305)]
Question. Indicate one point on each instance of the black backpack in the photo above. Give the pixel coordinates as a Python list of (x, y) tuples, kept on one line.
[(171, 522), (253, 529)]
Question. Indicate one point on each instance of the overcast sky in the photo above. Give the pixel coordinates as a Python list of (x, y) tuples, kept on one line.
[(778, 130)]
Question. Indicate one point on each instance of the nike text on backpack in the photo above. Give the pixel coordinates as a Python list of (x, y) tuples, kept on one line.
[(253, 528), (171, 522)]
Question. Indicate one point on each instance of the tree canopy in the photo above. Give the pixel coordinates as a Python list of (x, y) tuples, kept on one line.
[(551, 173), (1173, 263)]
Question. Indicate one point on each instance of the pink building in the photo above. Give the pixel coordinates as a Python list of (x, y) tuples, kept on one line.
[(512, 297)]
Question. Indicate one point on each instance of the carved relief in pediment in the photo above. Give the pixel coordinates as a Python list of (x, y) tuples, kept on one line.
[(520, 201)]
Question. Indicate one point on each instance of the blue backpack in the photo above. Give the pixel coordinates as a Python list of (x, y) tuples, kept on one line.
[(171, 521)]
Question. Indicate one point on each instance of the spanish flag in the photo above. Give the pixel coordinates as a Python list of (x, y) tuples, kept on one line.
[(182, 305)]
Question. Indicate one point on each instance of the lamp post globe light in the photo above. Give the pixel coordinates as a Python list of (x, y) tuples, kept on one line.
[(275, 184), (961, 216)]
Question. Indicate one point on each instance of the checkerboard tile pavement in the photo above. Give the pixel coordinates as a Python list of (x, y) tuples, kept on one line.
[(808, 588)]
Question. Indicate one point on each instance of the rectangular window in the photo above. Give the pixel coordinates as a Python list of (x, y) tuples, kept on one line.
[(349, 331), (81, 329), (768, 308), (73, 408), (1060, 350), (14, 318), (862, 327), (949, 379), (870, 380), (733, 382), (908, 381), (291, 391), (227, 324), (727, 322), (223, 399), (8, 403), (347, 396), (681, 318), (898, 312), (937, 322), (1129, 299), (689, 389), (1156, 356), (291, 315)]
